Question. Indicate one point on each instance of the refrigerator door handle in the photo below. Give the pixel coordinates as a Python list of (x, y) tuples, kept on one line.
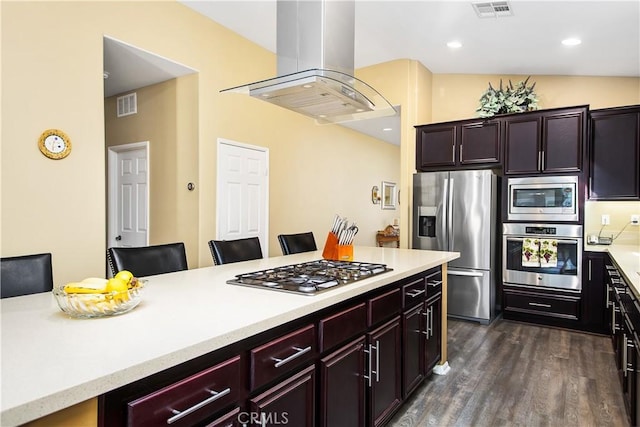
[(450, 234), (443, 240), (463, 273)]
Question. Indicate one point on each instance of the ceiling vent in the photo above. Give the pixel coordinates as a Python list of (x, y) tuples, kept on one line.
[(495, 9), (127, 104)]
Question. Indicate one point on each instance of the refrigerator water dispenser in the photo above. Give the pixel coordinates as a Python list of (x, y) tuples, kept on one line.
[(426, 221)]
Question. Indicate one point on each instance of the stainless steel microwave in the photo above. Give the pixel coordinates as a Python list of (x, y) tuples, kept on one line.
[(543, 198)]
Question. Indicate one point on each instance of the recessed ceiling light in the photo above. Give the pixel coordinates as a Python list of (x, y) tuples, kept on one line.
[(572, 41), (454, 44), (306, 86), (387, 129)]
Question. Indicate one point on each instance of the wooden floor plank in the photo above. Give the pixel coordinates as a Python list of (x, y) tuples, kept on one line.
[(517, 374)]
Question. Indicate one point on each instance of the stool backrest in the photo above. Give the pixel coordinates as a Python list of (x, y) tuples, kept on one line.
[(26, 274), (228, 251), (148, 260), (296, 243)]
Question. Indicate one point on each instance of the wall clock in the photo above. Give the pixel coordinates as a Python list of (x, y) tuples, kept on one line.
[(54, 144)]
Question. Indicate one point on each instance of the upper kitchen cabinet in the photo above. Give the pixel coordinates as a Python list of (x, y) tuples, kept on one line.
[(547, 141), (458, 145), (614, 154)]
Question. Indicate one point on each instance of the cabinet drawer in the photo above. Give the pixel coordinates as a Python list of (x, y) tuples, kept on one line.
[(190, 400), (561, 306), (413, 293), (341, 326), (279, 356), (384, 306), (434, 283)]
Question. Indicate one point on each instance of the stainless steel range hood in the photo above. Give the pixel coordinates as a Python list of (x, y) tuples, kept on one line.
[(315, 49)]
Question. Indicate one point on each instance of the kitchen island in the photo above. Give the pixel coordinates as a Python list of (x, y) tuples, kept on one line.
[(51, 362)]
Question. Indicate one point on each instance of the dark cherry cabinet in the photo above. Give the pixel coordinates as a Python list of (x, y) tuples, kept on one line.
[(385, 355), (462, 144), (342, 385), (433, 333), (290, 402), (413, 339), (548, 141), (436, 145), (594, 292), (614, 154), (340, 366)]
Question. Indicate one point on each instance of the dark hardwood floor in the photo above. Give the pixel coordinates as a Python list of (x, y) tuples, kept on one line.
[(516, 374)]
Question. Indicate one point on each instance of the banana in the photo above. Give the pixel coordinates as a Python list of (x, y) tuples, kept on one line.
[(85, 287)]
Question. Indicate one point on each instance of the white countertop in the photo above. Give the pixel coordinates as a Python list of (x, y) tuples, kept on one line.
[(51, 361), (627, 259)]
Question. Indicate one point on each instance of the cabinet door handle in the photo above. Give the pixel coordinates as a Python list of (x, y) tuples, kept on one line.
[(453, 152), (299, 352), (431, 328), (624, 354), (416, 293), (589, 270), (181, 414), (427, 319), (460, 153), (368, 377), (377, 361), (537, 304), (542, 160)]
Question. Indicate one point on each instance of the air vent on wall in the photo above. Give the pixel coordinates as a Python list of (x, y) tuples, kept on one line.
[(495, 9), (127, 104)]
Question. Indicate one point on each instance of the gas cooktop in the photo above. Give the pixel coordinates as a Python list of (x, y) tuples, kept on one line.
[(310, 278)]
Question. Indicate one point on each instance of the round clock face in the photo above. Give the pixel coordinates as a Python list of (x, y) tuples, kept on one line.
[(54, 144)]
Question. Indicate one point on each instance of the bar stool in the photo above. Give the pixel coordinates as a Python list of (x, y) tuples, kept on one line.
[(228, 251), (25, 275), (148, 260), (297, 243)]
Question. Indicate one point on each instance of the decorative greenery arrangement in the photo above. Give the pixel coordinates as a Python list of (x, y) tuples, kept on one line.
[(511, 99)]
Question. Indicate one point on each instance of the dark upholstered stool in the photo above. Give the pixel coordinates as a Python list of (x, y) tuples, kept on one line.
[(296, 243), (24, 275), (228, 251), (148, 260)]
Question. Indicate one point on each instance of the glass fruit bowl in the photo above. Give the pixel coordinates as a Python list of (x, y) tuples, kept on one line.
[(89, 305)]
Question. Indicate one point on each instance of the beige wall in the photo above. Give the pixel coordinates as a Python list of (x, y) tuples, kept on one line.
[(619, 215), (167, 118), (455, 96), (315, 171), (59, 206)]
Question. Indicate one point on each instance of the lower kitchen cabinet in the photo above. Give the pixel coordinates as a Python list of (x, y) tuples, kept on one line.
[(594, 293), (413, 338), (384, 377), (290, 402), (433, 332), (543, 306), (340, 366), (342, 386)]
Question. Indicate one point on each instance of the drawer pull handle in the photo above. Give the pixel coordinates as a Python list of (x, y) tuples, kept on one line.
[(416, 293), (299, 352), (181, 414), (537, 304), (434, 283)]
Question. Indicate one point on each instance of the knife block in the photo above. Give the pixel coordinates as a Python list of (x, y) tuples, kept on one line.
[(333, 251)]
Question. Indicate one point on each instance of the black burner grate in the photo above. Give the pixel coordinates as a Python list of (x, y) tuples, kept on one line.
[(311, 277)]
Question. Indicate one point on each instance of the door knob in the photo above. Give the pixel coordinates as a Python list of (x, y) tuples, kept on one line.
[(118, 238)]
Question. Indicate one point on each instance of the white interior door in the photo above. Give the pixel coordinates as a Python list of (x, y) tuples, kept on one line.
[(128, 195), (242, 200)]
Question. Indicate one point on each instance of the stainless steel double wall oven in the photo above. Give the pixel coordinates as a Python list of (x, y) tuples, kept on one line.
[(550, 204)]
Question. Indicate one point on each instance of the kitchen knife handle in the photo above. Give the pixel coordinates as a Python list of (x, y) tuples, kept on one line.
[(181, 414), (299, 352)]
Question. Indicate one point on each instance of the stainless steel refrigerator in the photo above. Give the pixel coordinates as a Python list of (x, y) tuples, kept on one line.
[(456, 211)]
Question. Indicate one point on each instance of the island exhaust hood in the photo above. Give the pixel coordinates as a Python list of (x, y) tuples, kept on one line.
[(315, 51)]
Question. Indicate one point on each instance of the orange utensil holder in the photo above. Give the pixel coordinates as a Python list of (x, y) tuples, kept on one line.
[(334, 251)]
